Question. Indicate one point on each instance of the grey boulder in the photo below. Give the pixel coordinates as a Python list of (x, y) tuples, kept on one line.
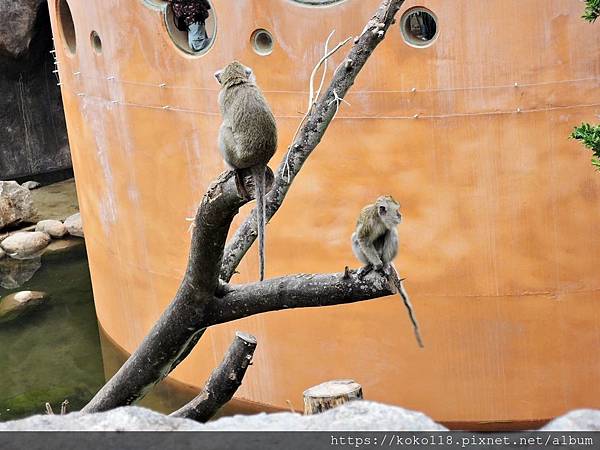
[(17, 25), (54, 228), (577, 420), (16, 205), (74, 225), (31, 185), (25, 244), (352, 416)]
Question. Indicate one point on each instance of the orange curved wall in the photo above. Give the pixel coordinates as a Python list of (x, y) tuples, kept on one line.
[(499, 244)]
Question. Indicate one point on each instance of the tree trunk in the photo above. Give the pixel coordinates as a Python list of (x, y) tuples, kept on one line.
[(331, 394)]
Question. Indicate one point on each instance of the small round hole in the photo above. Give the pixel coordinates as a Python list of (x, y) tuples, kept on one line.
[(262, 42), (96, 42), (419, 27), (67, 27)]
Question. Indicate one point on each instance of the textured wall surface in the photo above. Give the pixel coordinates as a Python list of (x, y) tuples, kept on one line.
[(33, 137), (501, 210)]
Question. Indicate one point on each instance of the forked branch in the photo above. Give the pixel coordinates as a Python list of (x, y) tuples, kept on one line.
[(202, 300)]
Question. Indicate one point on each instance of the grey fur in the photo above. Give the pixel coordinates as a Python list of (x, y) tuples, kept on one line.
[(375, 241), (375, 244), (248, 135)]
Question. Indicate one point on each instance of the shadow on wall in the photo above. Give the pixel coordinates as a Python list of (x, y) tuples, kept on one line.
[(33, 136)]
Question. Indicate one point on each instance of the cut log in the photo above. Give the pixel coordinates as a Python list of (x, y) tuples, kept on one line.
[(331, 394), (223, 382)]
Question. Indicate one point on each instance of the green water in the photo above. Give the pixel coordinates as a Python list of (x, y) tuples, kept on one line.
[(52, 353)]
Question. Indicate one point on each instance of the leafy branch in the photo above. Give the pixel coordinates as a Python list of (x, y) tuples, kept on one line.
[(592, 10), (590, 137)]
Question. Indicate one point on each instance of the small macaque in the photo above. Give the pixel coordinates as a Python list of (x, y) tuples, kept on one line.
[(375, 244), (247, 137)]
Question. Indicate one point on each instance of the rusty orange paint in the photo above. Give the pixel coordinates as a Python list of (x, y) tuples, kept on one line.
[(499, 244)]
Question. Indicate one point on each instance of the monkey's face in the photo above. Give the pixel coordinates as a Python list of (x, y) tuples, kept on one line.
[(233, 73), (389, 211)]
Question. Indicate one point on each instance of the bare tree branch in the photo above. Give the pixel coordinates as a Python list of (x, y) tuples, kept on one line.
[(313, 130), (223, 382), (295, 291), (177, 330), (195, 306)]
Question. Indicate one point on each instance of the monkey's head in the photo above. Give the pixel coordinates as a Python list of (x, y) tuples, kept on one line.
[(234, 73), (388, 210)]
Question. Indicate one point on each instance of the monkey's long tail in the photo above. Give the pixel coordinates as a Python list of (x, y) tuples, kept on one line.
[(397, 283), (258, 172)]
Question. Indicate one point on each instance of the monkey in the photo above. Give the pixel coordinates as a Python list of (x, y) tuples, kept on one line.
[(375, 244), (247, 137)]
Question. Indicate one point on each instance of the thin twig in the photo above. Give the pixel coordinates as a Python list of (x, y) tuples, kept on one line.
[(311, 97)]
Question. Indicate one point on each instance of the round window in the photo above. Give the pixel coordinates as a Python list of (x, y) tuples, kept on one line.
[(262, 42), (67, 27), (419, 27), (192, 30)]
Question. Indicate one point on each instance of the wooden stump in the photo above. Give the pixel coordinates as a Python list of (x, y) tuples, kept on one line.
[(331, 394)]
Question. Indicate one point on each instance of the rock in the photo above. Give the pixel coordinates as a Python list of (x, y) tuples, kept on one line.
[(31, 185), (25, 244), (14, 273), (54, 228), (577, 420), (17, 304), (353, 416), (17, 25), (74, 225), (33, 138), (358, 415), (15, 204), (66, 244)]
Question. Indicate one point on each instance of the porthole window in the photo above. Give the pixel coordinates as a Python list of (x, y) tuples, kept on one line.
[(155, 4), (192, 26), (419, 27), (96, 42), (262, 42), (67, 27)]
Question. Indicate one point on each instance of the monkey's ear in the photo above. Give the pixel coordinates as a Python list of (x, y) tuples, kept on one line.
[(218, 75), (382, 210)]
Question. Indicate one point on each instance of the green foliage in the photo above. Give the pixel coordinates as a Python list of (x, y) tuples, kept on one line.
[(590, 137), (592, 10)]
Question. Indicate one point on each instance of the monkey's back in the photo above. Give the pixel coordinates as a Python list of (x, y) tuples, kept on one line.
[(252, 123)]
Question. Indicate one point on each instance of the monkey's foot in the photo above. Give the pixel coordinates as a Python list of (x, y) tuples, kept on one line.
[(364, 271), (387, 270), (239, 181)]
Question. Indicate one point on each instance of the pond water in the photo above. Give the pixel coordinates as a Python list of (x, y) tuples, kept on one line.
[(51, 353), (57, 351)]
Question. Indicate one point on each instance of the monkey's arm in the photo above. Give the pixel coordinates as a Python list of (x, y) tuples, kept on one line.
[(369, 251), (228, 145)]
